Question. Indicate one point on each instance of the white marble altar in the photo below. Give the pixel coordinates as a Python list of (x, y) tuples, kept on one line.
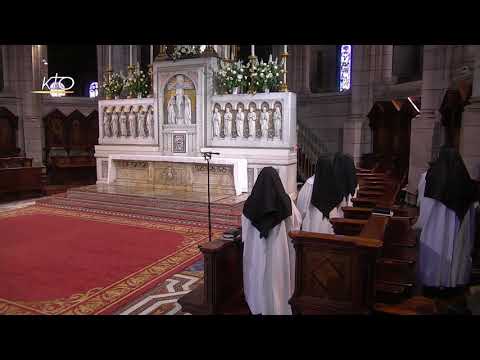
[(240, 173), (184, 118)]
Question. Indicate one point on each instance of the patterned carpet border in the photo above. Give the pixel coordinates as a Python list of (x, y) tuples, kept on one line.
[(106, 300), (134, 216)]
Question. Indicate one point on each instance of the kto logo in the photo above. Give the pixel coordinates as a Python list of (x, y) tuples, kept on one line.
[(56, 86)]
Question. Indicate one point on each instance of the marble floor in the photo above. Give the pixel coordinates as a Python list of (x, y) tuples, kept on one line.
[(7, 206), (163, 193)]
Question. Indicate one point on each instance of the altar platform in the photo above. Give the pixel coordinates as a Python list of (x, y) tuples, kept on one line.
[(182, 207)]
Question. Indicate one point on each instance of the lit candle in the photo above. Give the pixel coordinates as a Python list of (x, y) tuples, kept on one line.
[(285, 48), (151, 54), (109, 56), (253, 50), (131, 55)]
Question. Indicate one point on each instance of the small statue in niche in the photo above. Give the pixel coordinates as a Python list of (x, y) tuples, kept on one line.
[(107, 121), (132, 121), (141, 122), (150, 122), (179, 106), (239, 120), (227, 118), (123, 122), (264, 118), (217, 119), (115, 121), (277, 121), (171, 113), (252, 122)]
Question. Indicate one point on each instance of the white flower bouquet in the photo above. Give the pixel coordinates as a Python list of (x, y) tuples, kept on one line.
[(138, 84), (231, 76), (264, 76), (274, 75), (185, 51), (114, 86)]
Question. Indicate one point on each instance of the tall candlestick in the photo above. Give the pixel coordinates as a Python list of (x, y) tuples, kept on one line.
[(285, 48), (131, 55), (253, 50), (151, 54), (109, 56)]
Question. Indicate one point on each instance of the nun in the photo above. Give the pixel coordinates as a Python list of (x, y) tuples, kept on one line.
[(319, 198), (268, 254), (346, 177), (447, 199)]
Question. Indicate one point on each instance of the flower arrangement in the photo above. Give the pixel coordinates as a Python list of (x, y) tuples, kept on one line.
[(185, 51), (114, 86), (138, 84), (231, 76), (264, 76), (274, 75)]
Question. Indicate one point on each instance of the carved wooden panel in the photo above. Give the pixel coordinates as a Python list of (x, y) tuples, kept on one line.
[(55, 130), (8, 133), (92, 135), (77, 130), (329, 276), (333, 275)]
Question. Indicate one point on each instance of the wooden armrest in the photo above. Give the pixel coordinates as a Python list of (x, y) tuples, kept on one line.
[(371, 187), (364, 201), (351, 212), (348, 221), (355, 240), (356, 209), (346, 226), (367, 193), (215, 246)]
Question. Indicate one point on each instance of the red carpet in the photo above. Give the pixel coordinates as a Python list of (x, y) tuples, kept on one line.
[(64, 262)]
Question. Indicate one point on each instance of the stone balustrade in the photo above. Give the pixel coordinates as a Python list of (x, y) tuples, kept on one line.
[(128, 122), (260, 120)]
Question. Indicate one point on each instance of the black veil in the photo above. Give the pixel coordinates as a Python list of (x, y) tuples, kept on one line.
[(268, 204), (448, 181), (326, 193)]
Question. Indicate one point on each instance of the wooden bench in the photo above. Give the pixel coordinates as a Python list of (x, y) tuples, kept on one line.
[(222, 291), (15, 162), (22, 179), (335, 274)]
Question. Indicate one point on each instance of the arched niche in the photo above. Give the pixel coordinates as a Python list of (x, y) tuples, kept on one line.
[(180, 101)]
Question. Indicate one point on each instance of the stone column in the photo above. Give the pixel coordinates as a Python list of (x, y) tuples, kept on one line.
[(32, 116), (353, 136), (470, 132), (387, 63), (424, 126), (306, 70)]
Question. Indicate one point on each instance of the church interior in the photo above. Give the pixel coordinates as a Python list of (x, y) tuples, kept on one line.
[(239, 180)]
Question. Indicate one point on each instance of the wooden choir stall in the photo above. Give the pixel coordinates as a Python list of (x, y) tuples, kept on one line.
[(69, 147), (17, 175), (368, 266)]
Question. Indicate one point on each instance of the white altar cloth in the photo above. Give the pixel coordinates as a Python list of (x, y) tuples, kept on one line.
[(240, 174)]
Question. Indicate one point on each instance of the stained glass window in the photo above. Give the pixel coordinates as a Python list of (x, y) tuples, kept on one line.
[(345, 67), (93, 89)]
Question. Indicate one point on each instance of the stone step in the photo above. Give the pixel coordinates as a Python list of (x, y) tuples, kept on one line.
[(151, 202), (125, 209)]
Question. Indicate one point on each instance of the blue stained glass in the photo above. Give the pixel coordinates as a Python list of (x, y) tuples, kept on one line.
[(93, 89), (345, 67)]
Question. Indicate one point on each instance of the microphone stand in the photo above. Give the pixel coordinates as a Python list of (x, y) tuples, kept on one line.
[(208, 156)]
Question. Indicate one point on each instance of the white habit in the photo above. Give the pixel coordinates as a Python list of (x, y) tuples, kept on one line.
[(445, 242), (312, 218), (269, 266)]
